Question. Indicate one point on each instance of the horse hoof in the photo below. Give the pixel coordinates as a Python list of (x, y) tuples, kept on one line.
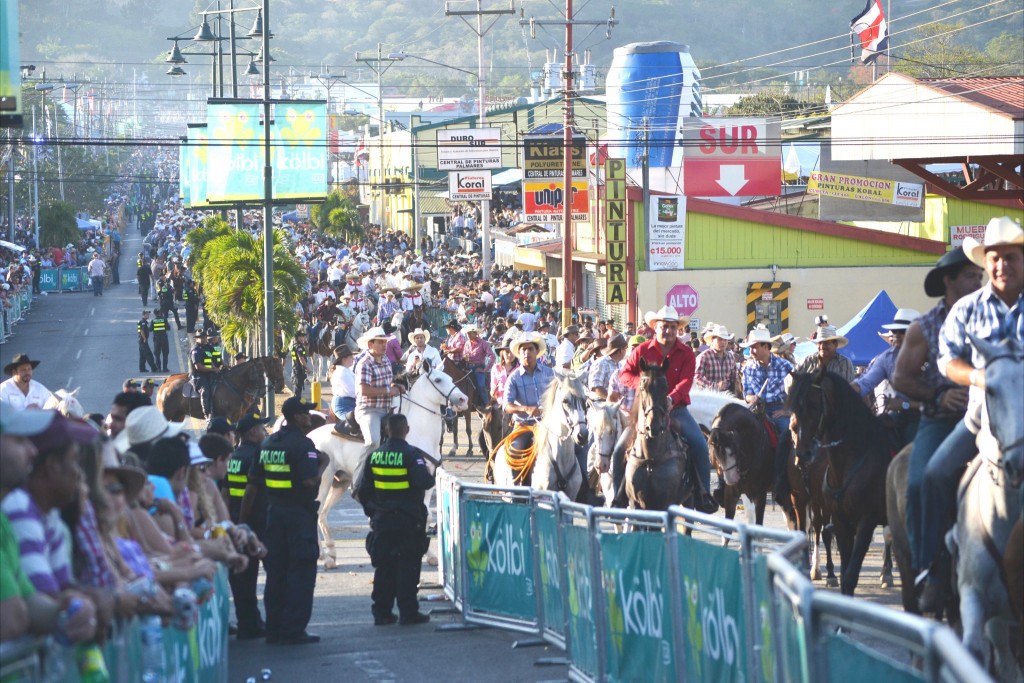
[(832, 582), (815, 574), (330, 564), (885, 581)]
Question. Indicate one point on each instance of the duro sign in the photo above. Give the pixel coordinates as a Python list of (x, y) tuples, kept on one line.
[(469, 185)]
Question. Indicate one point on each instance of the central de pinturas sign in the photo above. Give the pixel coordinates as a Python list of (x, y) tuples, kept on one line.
[(468, 149)]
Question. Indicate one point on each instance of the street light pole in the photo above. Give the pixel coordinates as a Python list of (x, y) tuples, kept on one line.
[(268, 206)]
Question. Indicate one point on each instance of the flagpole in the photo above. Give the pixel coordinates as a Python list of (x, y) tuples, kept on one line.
[(888, 20)]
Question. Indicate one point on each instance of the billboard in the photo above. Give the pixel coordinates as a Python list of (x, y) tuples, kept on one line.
[(543, 179), (196, 159), (298, 134), (732, 157), (667, 237), (859, 188), (468, 149), (234, 152), (10, 66), (469, 185), (866, 190)]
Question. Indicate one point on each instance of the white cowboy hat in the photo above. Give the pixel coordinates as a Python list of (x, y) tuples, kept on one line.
[(370, 335), (418, 331), (143, 425), (720, 331), (1002, 231), (758, 335), (828, 333), (471, 327), (529, 338), (902, 319), (666, 313), (785, 339)]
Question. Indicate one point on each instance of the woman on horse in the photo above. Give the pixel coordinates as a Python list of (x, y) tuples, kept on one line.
[(500, 373)]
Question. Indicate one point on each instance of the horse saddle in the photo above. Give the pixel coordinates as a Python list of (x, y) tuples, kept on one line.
[(348, 428), (188, 390), (769, 428)]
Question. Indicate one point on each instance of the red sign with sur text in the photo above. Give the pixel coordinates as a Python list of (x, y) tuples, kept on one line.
[(729, 157)]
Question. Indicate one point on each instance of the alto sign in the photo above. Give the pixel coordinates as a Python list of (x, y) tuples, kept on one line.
[(684, 299), (469, 185), (732, 157)]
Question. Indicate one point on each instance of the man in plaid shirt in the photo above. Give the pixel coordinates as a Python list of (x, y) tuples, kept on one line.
[(716, 366), (374, 388)]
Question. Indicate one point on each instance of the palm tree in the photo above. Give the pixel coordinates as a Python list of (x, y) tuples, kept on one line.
[(338, 216), (211, 228)]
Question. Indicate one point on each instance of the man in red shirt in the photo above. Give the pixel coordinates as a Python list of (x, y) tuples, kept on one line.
[(682, 365)]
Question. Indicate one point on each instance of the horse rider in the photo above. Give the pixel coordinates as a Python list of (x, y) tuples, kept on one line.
[(551, 340), (343, 381), (455, 343), (391, 492), (917, 375), (388, 307), (165, 292), (203, 372), (144, 273), (20, 391), (785, 347), (374, 387), (567, 347), (829, 341), (161, 343), (420, 350), (191, 298), (764, 377), (682, 364), (144, 329), (298, 350), (992, 313), (216, 350), (393, 349), (716, 366), (903, 412), (326, 314), (289, 468), (602, 373), (479, 356)]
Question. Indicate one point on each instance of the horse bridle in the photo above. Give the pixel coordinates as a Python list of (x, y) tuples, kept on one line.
[(821, 421), (447, 397)]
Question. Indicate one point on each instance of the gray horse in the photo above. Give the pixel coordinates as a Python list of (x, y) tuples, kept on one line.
[(989, 507)]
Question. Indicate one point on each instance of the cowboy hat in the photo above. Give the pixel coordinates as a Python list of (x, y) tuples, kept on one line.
[(132, 477), (418, 331), (902, 319), (471, 327), (828, 333), (20, 359), (370, 335), (614, 344), (1001, 231), (950, 261), (529, 338), (720, 331), (784, 339), (143, 425), (758, 335), (666, 313)]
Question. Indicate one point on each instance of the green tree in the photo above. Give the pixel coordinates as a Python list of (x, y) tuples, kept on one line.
[(767, 102), (211, 228), (337, 216), (939, 51), (57, 224)]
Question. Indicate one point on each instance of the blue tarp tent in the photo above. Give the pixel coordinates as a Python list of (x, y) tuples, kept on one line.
[(862, 331)]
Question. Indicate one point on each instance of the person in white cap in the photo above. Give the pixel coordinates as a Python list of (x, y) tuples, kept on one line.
[(905, 413), (682, 363), (829, 341), (993, 313), (716, 366)]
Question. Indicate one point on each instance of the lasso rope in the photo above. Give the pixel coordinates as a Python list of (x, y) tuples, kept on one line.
[(518, 459)]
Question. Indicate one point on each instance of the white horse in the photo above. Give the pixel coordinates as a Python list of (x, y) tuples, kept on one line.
[(705, 404), (422, 405), (66, 403), (563, 425), (322, 362), (606, 423), (989, 507)]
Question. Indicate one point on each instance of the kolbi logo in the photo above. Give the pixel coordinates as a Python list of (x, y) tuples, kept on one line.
[(636, 609), (581, 602), (549, 574), (721, 635), (506, 554), (476, 556)]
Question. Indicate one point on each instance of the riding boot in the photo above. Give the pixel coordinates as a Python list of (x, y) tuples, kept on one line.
[(933, 584), (489, 469), (781, 488)]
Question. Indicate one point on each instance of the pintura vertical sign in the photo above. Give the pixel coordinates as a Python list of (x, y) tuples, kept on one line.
[(615, 229)]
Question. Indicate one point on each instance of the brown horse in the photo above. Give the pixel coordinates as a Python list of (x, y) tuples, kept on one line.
[(742, 453), (657, 469), (829, 414), (496, 426), (806, 510), (463, 378), (896, 510), (237, 389)]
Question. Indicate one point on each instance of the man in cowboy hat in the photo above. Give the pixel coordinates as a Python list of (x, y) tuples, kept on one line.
[(993, 313), (764, 377), (681, 367), (374, 386), (904, 412), (526, 385), (388, 307), (567, 347), (456, 341), (917, 375), (716, 366), (21, 391), (479, 355), (600, 379), (299, 353), (829, 341), (420, 350)]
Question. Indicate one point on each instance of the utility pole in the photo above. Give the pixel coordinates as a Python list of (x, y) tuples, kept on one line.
[(480, 31), (375, 63)]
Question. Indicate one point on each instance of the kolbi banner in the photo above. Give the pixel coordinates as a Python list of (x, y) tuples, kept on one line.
[(235, 162), (298, 155), (499, 559), (197, 164)]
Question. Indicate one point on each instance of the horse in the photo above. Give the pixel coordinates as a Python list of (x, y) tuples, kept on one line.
[(66, 403), (496, 426), (463, 378), (551, 465), (606, 422), (829, 414), (235, 392), (657, 467), (896, 511), (322, 344), (431, 391), (988, 508), (742, 453), (807, 510)]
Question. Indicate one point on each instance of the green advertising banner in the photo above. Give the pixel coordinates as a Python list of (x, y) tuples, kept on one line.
[(71, 279), (850, 661), (550, 570), (197, 160), (10, 66), (234, 166), (637, 614), (499, 559), (299, 150), (49, 279), (581, 640), (448, 533), (712, 585), (764, 648)]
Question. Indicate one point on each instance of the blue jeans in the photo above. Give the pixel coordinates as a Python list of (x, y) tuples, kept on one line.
[(483, 392), (938, 494), (343, 405), (931, 432), (695, 441), (97, 285)]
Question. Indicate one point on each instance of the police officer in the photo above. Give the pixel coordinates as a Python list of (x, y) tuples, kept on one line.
[(161, 344), (216, 350), (145, 353), (391, 490), (203, 372), (289, 469), (251, 431), (165, 292), (191, 299), (299, 353), (145, 276)]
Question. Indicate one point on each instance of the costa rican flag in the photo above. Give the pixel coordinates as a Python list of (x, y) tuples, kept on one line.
[(871, 27), (362, 153)]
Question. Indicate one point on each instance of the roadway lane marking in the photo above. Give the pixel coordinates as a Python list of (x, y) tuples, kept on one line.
[(79, 354), (86, 331), (68, 385), (92, 311)]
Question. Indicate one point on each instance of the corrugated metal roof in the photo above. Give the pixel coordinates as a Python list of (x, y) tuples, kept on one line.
[(1002, 94)]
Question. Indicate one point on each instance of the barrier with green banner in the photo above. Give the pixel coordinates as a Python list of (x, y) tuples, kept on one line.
[(550, 570), (72, 279), (581, 640), (763, 622), (852, 662), (637, 609), (49, 279), (448, 534), (498, 560)]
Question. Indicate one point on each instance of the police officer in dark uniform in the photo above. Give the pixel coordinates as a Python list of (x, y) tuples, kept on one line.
[(251, 432), (394, 480), (216, 350), (145, 353), (161, 344), (299, 353), (289, 469), (166, 293), (203, 372), (191, 299), (145, 276)]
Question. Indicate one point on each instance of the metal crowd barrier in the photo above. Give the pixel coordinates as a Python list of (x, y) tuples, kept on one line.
[(675, 595)]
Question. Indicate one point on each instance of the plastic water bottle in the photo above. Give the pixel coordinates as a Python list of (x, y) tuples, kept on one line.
[(152, 637)]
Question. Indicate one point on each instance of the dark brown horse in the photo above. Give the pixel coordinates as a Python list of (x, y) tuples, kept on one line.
[(741, 451), (807, 511), (828, 414), (657, 470), (237, 389), (896, 508), (463, 378), (496, 426)]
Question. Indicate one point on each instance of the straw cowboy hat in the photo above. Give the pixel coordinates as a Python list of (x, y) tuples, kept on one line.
[(666, 313), (471, 327), (720, 331), (418, 331), (1002, 231), (529, 338), (758, 335), (902, 319), (785, 339), (829, 333), (370, 335), (143, 425), (132, 477), (20, 359)]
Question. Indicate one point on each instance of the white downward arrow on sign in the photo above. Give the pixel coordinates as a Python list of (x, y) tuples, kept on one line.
[(732, 178)]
